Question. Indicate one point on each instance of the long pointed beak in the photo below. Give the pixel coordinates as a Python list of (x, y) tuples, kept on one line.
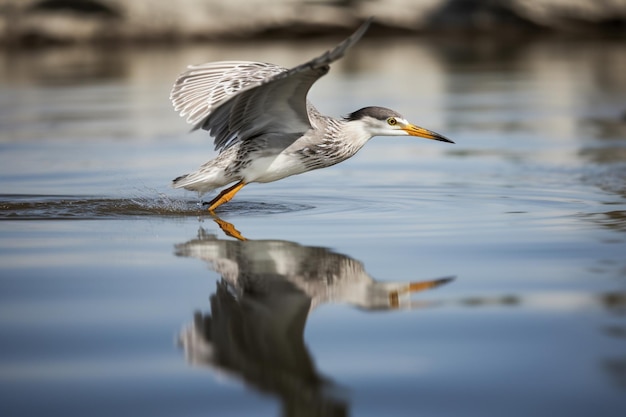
[(424, 133), (413, 287), (427, 285)]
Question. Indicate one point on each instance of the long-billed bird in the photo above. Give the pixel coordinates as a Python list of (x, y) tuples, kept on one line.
[(264, 127)]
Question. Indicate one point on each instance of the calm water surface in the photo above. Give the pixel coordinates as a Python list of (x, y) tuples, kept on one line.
[(485, 278)]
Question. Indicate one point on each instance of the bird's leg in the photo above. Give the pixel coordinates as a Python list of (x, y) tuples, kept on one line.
[(228, 228), (225, 196)]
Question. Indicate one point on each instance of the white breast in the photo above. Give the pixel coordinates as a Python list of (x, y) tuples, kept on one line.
[(268, 169)]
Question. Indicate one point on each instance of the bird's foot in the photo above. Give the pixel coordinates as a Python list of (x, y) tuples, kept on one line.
[(228, 228), (225, 196)]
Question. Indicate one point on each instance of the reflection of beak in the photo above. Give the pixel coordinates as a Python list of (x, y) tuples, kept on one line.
[(394, 296), (424, 133), (427, 285)]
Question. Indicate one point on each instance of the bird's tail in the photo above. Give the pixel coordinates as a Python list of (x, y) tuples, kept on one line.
[(199, 181), (194, 182), (178, 182)]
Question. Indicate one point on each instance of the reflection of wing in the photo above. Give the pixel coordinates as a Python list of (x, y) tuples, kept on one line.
[(238, 101), (267, 266), (255, 331), (258, 341)]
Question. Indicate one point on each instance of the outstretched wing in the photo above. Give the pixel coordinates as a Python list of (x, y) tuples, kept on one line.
[(237, 101), (200, 89)]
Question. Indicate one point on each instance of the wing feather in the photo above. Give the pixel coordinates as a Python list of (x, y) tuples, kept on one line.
[(240, 100), (200, 89)]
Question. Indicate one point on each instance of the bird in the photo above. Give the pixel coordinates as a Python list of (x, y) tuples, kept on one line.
[(264, 127), (265, 270), (265, 294)]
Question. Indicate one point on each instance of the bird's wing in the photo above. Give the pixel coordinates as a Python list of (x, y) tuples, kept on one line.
[(202, 88), (237, 101)]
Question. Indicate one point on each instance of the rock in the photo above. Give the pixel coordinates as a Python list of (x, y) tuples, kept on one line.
[(71, 21)]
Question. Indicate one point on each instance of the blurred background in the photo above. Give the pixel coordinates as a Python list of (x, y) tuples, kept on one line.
[(27, 22), (121, 296)]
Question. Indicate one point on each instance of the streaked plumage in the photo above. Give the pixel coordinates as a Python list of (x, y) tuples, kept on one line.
[(264, 128)]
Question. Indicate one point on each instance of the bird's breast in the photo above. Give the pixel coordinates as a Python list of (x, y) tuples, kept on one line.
[(274, 168)]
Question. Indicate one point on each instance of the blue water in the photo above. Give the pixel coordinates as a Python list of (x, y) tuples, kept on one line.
[(120, 296)]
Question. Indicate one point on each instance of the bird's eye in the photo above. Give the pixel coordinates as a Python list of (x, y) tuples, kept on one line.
[(392, 121)]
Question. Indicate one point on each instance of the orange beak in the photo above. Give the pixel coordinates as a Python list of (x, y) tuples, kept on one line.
[(424, 133)]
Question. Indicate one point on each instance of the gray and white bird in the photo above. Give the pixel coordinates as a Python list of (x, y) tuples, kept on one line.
[(264, 127)]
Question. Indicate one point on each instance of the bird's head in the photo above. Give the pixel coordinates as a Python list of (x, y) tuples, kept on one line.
[(379, 121)]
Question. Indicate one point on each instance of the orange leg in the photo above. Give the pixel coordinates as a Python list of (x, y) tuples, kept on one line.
[(225, 196), (228, 228)]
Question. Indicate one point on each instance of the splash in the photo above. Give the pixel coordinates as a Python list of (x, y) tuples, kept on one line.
[(143, 204), (41, 207)]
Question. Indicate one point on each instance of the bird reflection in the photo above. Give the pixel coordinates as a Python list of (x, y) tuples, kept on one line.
[(255, 331)]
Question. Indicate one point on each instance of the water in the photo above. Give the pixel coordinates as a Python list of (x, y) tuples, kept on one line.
[(120, 296)]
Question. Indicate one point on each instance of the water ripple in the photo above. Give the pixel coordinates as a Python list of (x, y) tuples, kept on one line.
[(42, 207)]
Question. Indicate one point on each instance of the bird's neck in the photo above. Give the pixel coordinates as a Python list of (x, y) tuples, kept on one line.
[(355, 135)]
